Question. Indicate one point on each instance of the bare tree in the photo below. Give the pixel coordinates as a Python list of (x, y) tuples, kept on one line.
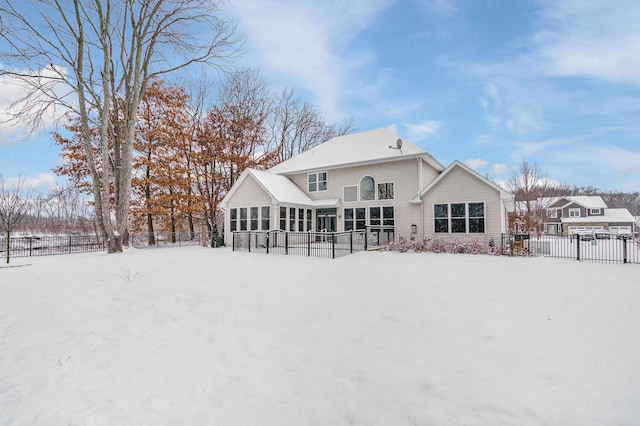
[(14, 207), (295, 126), (95, 58), (534, 191)]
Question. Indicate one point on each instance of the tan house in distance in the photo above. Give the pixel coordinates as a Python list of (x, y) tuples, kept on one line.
[(371, 181)]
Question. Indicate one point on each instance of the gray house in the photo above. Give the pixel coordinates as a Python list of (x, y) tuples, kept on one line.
[(579, 214), (370, 181)]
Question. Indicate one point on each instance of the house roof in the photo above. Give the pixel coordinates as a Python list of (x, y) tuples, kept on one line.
[(619, 215), (280, 189), (587, 201), (372, 146), (505, 195)]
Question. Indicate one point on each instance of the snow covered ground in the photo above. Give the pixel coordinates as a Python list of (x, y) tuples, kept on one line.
[(197, 336)]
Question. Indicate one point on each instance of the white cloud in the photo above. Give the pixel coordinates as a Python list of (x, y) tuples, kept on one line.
[(303, 42), (13, 99), (43, 182), (598, 38), (424, 130), (476, 163), (499, 169)]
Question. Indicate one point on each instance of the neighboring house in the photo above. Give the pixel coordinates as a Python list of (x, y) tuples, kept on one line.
[(369, 181), (577, 214)]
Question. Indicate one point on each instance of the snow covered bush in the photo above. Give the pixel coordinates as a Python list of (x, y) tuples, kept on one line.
[(438, 245)]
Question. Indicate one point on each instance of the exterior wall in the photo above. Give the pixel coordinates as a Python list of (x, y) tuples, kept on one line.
[(460, 186), (403, 174), (565, 210), (248, 194)]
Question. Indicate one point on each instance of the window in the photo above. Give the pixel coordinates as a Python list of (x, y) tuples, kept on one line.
[(317, 181), (233, 217), (476, 218), (388, 218), (441, 218), (283, 218), (595, 211), (348, 220), (265, 218), (459, 218), (300, 220), (254, 218), (375, 217), (355, 219), (350, 194), (309, 214), (292, 218), (385, 191), (574, 212), (552, 213), (367, 188), (243, 218)]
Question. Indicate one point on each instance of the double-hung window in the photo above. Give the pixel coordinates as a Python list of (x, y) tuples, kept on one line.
[(457, 218), (575, 212), (317, 181), (233, 219), (265, 218)]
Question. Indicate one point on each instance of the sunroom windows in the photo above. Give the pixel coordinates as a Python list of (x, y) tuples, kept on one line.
[(459, 218), (356, 218)]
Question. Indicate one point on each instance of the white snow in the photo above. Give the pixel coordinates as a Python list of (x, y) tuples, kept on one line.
[(198, 336)]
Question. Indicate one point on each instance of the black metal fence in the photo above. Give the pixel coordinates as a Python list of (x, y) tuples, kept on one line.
[(166, 239), (606, 248), (49, 245), (316, 244)]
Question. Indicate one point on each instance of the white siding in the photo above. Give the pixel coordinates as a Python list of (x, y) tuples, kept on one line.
[(248, 194), (460, 186), (404, 175)]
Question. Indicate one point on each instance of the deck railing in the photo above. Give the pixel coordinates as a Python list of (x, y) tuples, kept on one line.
[(315, 244)]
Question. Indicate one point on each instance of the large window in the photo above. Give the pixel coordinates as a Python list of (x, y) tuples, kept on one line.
[(595, 211), (317, 181), (292, 218), (283, 218), (367, 189), (254, 218), (355, 218), (233, 218), (574, 212), (265, 218), (309, 215), (552, 213), (300, 220), (243, 218), (459, 218), (385, 191)]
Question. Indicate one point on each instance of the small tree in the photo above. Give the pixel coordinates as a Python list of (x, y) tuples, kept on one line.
[(14, 206)]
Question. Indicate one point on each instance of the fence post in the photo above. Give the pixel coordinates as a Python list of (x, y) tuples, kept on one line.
[(286, 243), (69, 246), (309, 244), (351, 241), (366, 241), (30, 246), (624, 250), (267, 242), (233, 241), (578, 246), (333, 245), (249, 241)]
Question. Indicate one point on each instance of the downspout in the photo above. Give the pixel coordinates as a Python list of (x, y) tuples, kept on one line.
[(422, 234)]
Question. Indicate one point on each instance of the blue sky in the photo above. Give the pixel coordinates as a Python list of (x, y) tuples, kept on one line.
[(486, 82)]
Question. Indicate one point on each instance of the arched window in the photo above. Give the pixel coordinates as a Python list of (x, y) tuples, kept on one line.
[(367, 189)]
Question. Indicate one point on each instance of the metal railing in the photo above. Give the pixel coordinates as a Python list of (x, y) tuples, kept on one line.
[(164, 239), (315, 244), (49, 245), (589, 247)]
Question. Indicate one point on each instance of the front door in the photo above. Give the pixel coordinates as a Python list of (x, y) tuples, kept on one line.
[(326, 220)]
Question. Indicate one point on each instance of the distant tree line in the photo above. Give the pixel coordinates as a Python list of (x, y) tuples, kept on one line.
[(534, 191)]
